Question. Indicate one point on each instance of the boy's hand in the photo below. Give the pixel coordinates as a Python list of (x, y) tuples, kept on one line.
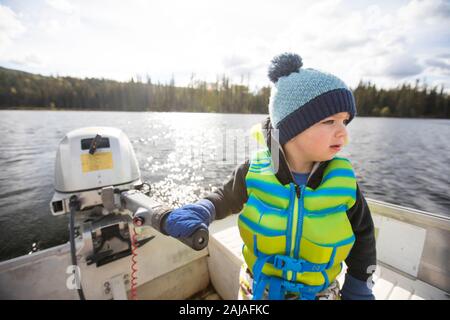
[(182, 222)]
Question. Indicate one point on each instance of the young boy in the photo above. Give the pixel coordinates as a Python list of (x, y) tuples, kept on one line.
[(302, 213)]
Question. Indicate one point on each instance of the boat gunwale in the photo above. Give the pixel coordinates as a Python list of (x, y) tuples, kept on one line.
[(409, 215)]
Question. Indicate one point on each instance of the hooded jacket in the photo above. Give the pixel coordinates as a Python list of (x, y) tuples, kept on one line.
[(231, 197)]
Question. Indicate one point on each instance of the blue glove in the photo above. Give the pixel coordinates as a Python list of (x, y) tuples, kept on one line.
[(354, 289), (182, 222)]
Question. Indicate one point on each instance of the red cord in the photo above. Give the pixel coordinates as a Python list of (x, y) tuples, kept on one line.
[(133, 265)]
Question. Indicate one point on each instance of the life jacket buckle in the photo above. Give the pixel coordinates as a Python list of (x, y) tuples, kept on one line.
[(284, 262)]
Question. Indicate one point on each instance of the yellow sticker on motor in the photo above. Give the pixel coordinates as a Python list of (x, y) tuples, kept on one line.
[(96, 161)]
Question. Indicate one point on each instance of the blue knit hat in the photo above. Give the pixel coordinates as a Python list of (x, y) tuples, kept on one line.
[(303, 97)]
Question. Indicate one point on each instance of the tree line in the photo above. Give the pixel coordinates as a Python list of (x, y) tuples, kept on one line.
[(31, 91)]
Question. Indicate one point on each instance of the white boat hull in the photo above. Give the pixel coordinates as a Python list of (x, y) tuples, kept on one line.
[(412, 249)]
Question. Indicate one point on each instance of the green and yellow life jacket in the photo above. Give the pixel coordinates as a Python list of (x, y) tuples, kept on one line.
[(295, 237)]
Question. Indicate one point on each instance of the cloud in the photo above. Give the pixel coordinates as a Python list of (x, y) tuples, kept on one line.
[(438, 63), (398, 42), (444, 56), (240, 66), (31, 59), (61, 5), (386, 41), (439, 66), (235, 61), (402, 66), (426, 11), (10, 26), (392, 67)]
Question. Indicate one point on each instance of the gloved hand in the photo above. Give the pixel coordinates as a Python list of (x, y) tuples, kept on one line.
[(355, 289), (182, 222)]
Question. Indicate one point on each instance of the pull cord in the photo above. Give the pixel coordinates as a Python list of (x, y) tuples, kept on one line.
[(134, 268)]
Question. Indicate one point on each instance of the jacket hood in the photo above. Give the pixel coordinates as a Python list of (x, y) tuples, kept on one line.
[(284, 174)]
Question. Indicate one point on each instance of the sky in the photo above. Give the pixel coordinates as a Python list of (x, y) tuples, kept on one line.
[(386, 42)]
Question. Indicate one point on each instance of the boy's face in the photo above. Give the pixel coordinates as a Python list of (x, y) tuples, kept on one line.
[(321, 141)]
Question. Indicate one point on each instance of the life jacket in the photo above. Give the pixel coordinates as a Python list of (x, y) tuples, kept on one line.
[(295, 237)]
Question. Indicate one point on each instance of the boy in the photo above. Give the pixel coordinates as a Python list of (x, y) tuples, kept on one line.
[(301, 211)]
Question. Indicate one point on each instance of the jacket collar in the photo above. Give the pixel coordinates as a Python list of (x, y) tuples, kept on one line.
[(284, 174)]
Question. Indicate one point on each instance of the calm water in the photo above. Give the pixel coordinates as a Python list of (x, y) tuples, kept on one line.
[(402, 161)]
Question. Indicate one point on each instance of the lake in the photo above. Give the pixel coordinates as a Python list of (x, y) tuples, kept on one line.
[(401, 161)]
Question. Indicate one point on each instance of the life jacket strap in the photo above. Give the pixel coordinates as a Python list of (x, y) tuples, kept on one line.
[(278, 288), (297, 265)]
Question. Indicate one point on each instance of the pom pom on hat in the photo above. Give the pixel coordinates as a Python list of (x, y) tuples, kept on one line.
[(283, 65)]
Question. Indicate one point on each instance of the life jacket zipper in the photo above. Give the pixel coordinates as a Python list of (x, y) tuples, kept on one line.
[(300, 217)]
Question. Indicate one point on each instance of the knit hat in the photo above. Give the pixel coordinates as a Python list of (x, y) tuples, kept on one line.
[(302, 97)]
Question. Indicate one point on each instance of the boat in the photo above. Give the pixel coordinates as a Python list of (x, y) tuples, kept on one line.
[(413, 249)]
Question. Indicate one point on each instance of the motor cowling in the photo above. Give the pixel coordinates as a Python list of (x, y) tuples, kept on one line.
[(89, 159)]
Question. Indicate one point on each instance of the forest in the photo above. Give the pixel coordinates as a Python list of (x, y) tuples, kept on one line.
[(23, 90)]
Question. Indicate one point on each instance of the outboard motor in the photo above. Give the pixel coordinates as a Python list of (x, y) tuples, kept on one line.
[(98, 182)]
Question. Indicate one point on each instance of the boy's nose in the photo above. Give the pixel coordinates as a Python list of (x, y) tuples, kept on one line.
[(341, 131)]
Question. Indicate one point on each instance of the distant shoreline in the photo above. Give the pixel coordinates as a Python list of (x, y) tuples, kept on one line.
[(136, 111), (26, 91)]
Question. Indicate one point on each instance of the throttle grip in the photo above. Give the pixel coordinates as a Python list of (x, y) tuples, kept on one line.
[(198, 240)]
